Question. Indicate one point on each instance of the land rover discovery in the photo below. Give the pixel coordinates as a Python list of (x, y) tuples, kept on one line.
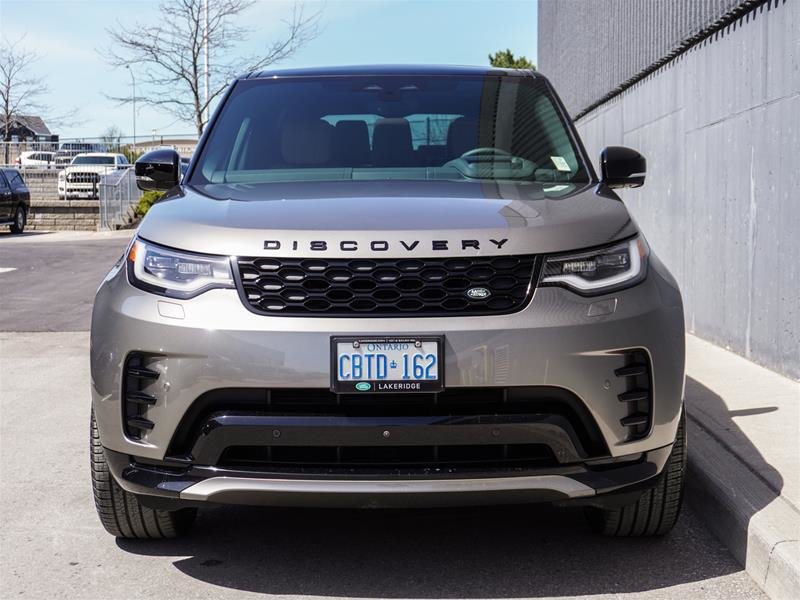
[(388, 286)]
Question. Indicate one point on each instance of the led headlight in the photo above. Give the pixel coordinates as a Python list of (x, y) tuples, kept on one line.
[(599, 271), (174, 273)]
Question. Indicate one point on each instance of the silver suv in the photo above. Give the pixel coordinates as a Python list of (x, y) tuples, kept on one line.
[(388, 286)]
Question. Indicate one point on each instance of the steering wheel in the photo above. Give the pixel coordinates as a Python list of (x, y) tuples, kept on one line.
[(487, 151)]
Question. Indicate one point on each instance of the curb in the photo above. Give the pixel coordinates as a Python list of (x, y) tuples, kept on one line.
[(758, 525)]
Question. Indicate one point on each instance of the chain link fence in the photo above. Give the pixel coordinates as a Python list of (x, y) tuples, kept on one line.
[(118, 197)]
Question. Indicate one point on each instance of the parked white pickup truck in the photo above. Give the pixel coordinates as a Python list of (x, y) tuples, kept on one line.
[(82, 177)]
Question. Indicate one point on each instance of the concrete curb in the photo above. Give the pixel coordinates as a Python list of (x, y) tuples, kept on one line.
[(758, 525)]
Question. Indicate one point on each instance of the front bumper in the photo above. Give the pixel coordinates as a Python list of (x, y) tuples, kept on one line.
[(212, 343), (594, 482)]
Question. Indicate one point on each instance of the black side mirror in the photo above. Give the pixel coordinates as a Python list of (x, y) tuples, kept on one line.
[(158, 170), (622, 167)]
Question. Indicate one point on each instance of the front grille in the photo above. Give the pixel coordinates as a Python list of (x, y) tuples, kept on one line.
[(83, 178), (386, 287)]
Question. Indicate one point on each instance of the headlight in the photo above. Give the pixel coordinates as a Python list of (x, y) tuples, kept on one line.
[(599, 271), (174, 273)]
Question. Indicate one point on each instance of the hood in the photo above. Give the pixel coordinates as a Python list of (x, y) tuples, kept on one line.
[(387, 219), (90, 168)]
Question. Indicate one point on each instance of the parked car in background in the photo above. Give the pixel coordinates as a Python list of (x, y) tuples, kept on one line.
[(69, 150), (37, 159), (15, 200), (82, 177)]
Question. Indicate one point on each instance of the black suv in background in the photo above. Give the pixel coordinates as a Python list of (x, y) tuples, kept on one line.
[(15, 200)]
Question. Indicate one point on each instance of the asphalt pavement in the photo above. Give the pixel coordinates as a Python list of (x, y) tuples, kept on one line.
[(48, 281), (52, 544)]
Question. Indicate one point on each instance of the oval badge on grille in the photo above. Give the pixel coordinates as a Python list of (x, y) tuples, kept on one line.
[(478, 293)]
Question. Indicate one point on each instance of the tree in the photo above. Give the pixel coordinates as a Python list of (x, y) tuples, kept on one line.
[(111, 138), (505, 59), (169, 54), (19, 88)]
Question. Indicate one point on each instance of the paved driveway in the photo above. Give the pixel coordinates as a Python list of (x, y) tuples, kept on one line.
[(48, 281), (52, 545)]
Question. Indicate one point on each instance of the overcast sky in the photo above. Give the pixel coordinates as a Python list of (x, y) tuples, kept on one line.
[(67, 34)]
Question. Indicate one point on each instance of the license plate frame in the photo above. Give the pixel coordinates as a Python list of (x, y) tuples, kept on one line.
[(387, 386)]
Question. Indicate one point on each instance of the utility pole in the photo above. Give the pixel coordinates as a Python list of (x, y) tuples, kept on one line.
[(207, 75), (133, 82)]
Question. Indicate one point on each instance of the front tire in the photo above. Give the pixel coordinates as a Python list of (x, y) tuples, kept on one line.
[(120, 512), (18, 226), (657, 510)]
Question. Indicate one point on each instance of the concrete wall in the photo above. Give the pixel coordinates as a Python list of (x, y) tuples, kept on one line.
[(42, 183), (593, 48), (64, 215), (720, 127)]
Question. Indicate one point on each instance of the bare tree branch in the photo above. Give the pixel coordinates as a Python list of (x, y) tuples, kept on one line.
[(169, 59), (19, 89)]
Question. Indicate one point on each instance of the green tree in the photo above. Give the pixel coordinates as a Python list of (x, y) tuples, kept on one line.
[(505, 59)]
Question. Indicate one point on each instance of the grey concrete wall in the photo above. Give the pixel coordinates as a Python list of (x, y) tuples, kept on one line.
[(592, 47), (720, 127)]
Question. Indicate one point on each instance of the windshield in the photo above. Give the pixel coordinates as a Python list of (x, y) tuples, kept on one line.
[(389, 127), (93, 160)]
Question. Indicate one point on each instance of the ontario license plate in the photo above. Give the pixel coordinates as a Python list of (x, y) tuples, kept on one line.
[(387, 364)]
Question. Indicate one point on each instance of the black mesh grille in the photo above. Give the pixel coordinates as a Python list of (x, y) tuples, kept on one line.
[(386, 287)]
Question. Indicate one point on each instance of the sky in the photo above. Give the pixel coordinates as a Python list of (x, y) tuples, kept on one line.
[(69, 37)]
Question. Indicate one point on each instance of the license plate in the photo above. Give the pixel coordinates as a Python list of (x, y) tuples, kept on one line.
[(387, 364)]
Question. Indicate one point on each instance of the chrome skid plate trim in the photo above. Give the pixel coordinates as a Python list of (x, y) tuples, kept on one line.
[(207, 489)]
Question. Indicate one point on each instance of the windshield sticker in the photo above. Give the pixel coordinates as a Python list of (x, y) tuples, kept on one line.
[(560, 163)]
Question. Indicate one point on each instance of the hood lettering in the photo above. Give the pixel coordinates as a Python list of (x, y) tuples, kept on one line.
[(378, 245)]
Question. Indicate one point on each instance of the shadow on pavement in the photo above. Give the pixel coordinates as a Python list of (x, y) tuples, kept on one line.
[(728, 489), (492, 552)]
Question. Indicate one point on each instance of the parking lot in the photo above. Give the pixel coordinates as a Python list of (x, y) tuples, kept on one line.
[(54, 547)]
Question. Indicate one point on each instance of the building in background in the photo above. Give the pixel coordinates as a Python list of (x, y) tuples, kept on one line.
[(27, 128), (183, 146), (709, 92)]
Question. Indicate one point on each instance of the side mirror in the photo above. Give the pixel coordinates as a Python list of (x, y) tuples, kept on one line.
[(622, 167), (158, 170)]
